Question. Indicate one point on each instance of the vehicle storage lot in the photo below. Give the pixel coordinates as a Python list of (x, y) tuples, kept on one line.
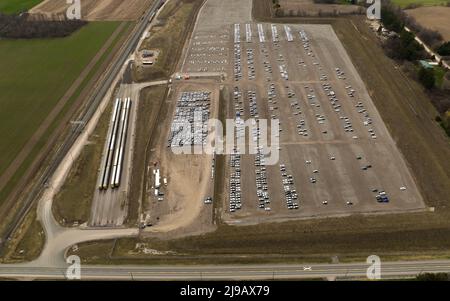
[(209, 48), (342, 158), (180, 204)]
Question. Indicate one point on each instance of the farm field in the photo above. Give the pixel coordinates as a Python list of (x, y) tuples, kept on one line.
[(99, 10), (17, 6), (433, 17), (29, 92), (403, 3)]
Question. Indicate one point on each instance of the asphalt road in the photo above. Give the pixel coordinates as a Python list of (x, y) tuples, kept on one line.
[(229, 272)]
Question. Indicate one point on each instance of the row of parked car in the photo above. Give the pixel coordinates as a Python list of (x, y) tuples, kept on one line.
[(235, 182), (290, 193), (250, 64), (237, 62)]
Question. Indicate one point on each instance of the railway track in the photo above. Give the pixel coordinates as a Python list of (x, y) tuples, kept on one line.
[(93, 103)]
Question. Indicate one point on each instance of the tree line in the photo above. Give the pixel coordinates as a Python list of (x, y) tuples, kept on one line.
[(403, 47), (24, 27)]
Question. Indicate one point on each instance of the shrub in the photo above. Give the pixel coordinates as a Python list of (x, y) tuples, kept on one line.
[(426, 77), (444, 49)]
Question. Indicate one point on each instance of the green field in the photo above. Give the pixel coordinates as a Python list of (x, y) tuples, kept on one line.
[(37, 73), (403, 3), (17, 6)]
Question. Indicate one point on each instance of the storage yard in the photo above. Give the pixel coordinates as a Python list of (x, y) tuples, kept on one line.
[(336, 156), (109, 207)]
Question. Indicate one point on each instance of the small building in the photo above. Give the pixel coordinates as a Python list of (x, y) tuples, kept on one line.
[(149, 56), (425, 64), (157, 178)]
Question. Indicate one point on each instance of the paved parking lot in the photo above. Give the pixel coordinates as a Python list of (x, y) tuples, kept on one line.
[(336, 155)]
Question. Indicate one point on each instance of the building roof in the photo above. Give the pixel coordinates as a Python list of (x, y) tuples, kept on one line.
[(425, 64)]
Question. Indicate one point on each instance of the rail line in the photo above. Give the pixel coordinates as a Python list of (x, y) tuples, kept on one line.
[(93, 103)]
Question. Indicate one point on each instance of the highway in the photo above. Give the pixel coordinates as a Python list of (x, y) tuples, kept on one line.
[(229, 272), (92, 104), (51, 265)]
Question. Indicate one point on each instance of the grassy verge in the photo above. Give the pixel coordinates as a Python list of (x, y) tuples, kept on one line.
[(404, 3), (439, 73), (73, 201), (176, 21), (17, 6), (27, 243), (220, 161), (217, 249)]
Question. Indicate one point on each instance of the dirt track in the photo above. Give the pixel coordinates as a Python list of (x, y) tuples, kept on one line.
[(96, 10)]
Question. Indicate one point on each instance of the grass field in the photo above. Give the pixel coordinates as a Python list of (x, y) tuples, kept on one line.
[(73, 201), (403, 3), (27, 243), (17, 6), (439, 73), (39, 73)]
